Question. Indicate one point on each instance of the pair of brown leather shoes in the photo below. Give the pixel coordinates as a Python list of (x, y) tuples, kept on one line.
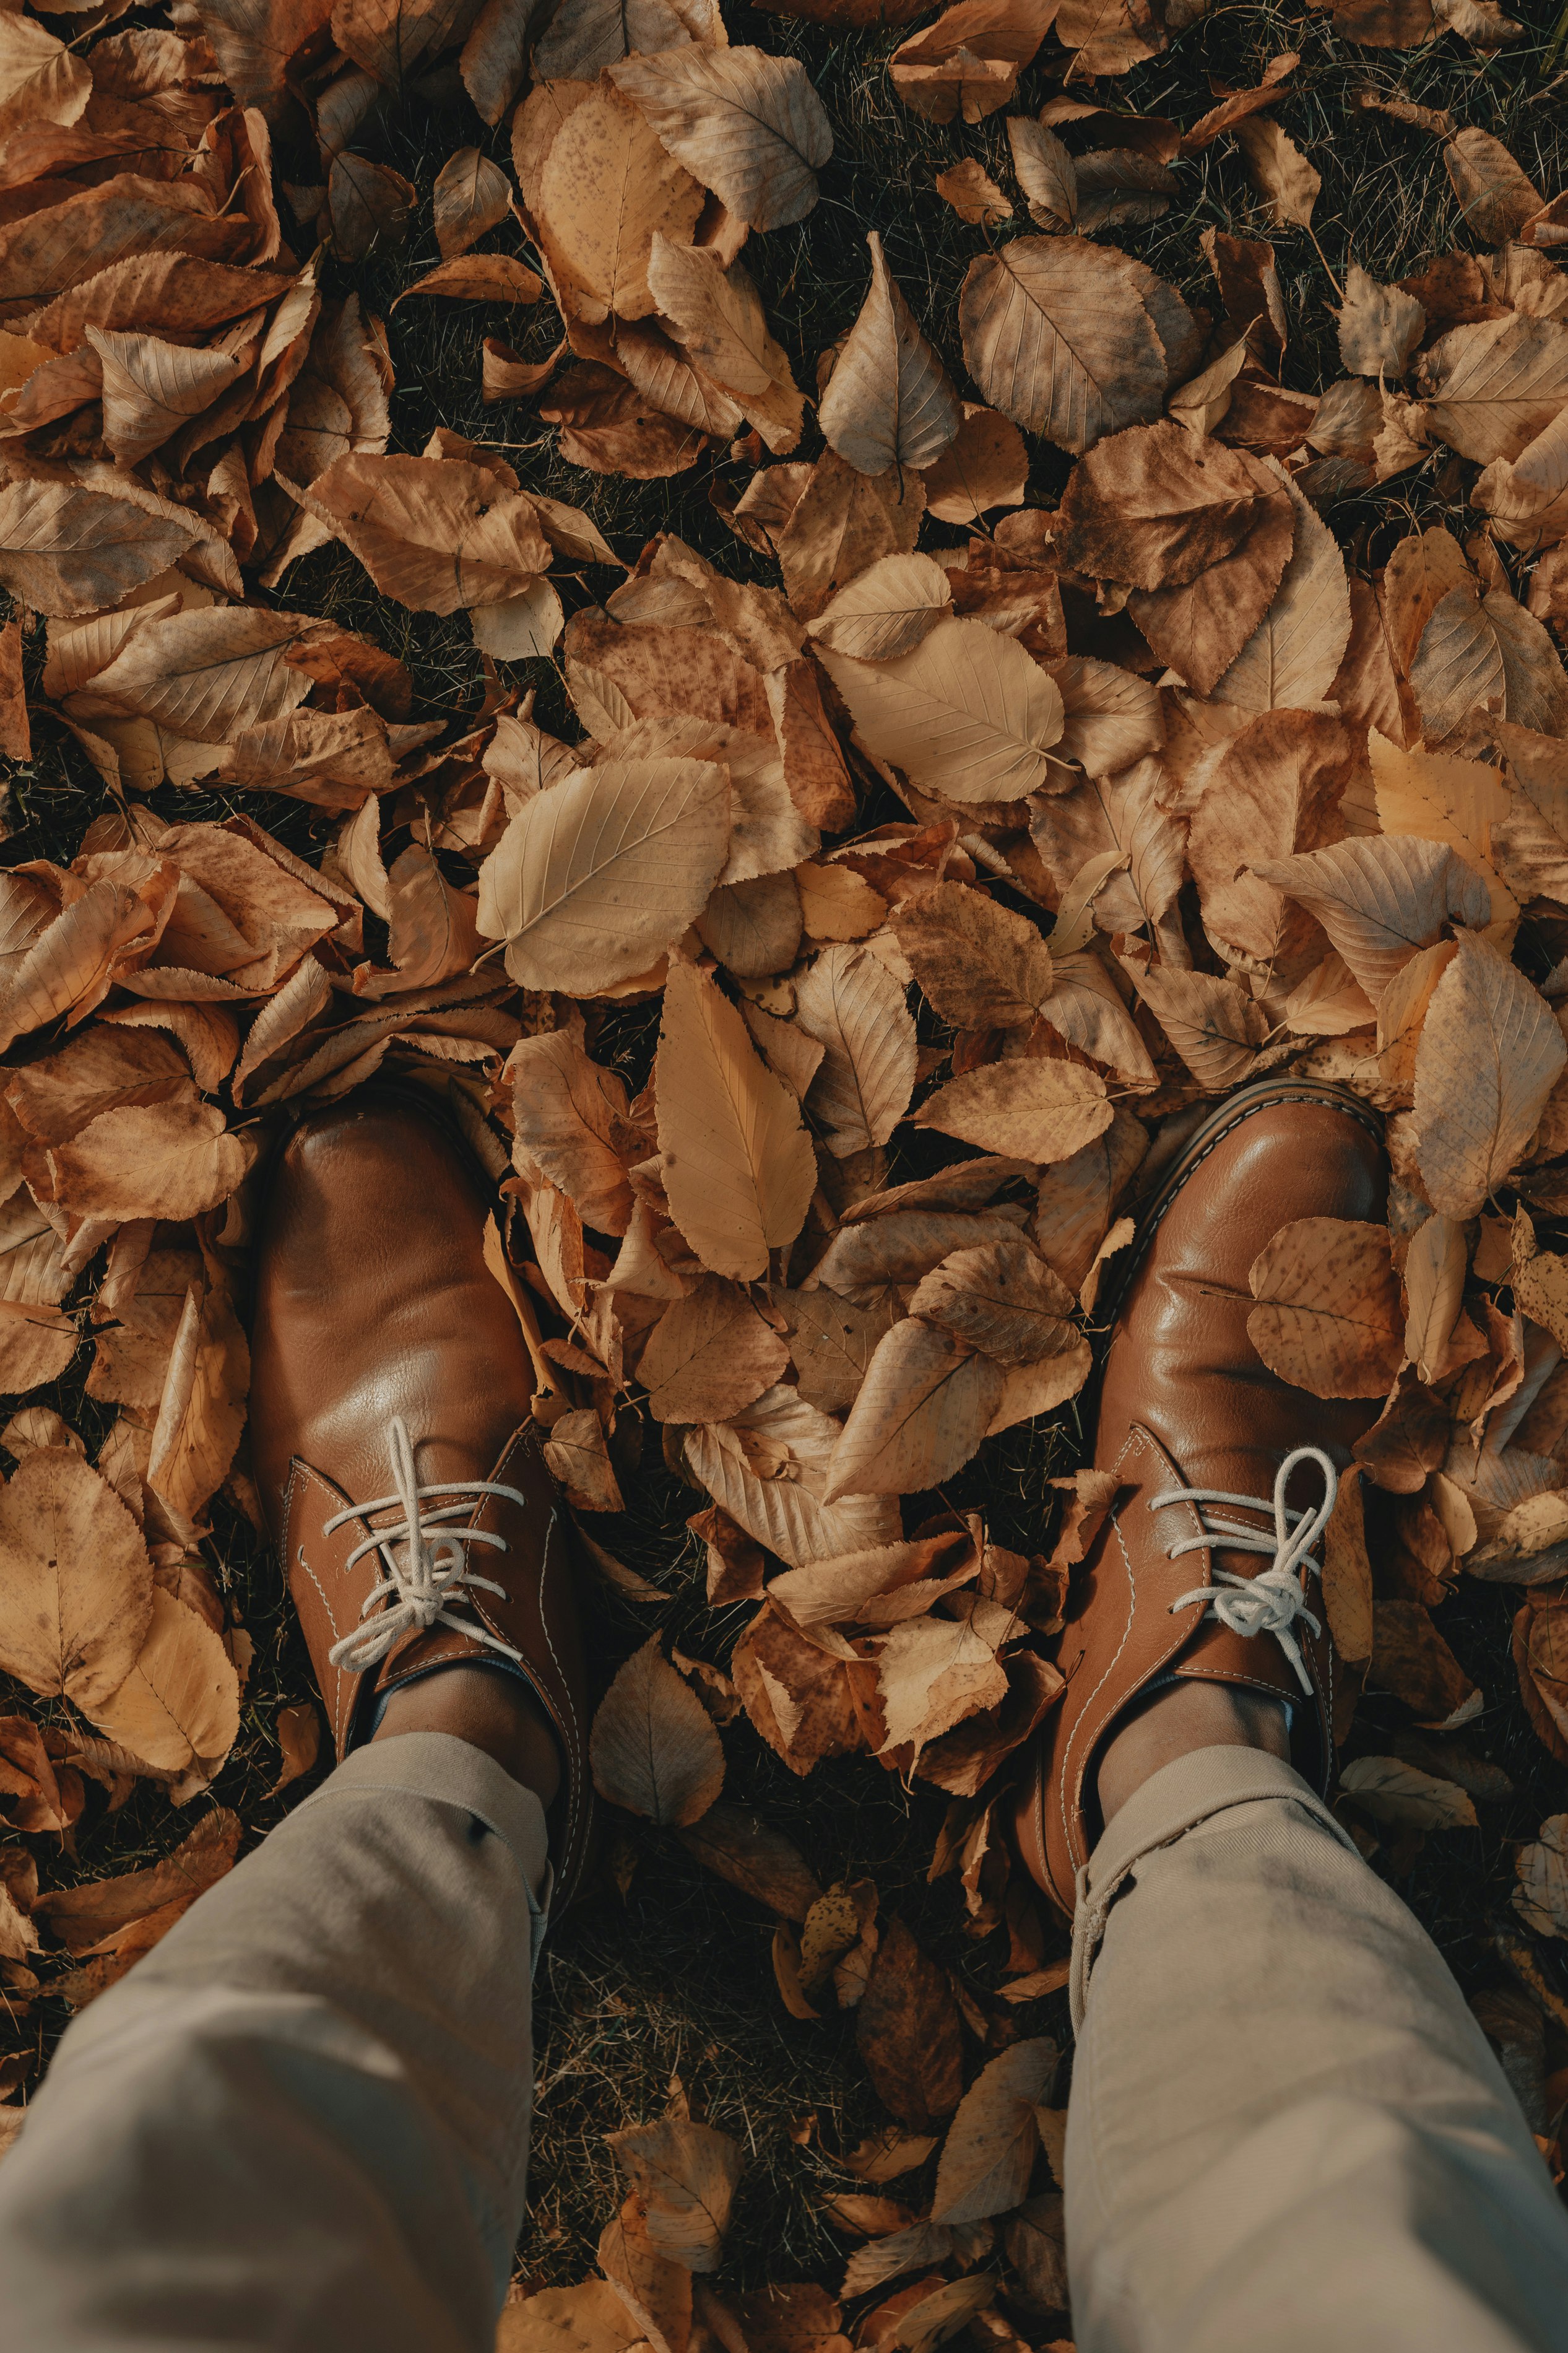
[(397, 1457)]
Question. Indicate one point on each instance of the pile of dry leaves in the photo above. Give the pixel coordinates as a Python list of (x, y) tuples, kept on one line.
[(1186, 798)]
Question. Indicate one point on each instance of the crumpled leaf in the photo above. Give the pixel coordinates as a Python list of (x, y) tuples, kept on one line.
[(748, 125), (889, 402)]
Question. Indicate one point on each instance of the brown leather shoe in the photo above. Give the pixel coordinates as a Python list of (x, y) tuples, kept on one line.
[(394, 1449), (1199, 1432)]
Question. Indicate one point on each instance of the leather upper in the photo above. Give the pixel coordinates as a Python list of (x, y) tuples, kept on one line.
[(1186, 1402), (374, 1301)]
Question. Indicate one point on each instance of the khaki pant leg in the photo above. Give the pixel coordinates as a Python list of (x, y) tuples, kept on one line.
[(302, 2120), (1286, 2133)]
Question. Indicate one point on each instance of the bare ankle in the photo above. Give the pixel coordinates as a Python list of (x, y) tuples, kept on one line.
[(1184, 1717), (492, 1711)]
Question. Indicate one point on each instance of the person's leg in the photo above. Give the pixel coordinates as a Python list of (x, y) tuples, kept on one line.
[(302, 2120), (1285, 2129)]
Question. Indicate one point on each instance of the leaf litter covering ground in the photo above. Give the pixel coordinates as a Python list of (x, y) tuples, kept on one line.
[(995, 754)]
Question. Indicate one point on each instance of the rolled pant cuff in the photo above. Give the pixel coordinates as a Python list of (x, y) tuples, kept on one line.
[(438, 1768), (1205, 1782)]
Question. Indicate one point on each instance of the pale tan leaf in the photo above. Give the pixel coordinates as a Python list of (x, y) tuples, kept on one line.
[(575, 1453), (932, 1672), (1044, 170), (836, 903), (1004, 1300), (76, 1584), (1113, 720), (585, 36), (973, 194), (170, 1160), (202, 1410), (970, 58), (439, 534), (893, 605), (738, 1168), (1381, 898), (1293, 657), (898, 1245), (1279, 170), (1214, 1025), (65, 549), (709, 1354), (786, 1512), (1086, 835), (1438, 797), (1541, 1899), (1058, 337), (832, 1342), (299, 1730), (209, 674), (1157, 509), (925, 1406), (608, 185), (985, 465), (652, 1746), (1527, 498), (1486, 649), (1490, 387), (1392, 1791), (479, 278), (492, 62), (592, 2317), (687, 2173), (71, 963), (1030, 1110), (978, 963), (1380, 326), (525, 628), (754, 929), (1495, 195), (888, 401), (967, 715), (593, 880), (1435, 1268), (1329, 1316), (470, 197), (1347, 1572), (747, 124), (567, 1110), (151, 388), (370, 207), (181, 1700), (989, 2152), (40, 80), (1489, 1057), (851, 1004), (839, 521), (716, 314)]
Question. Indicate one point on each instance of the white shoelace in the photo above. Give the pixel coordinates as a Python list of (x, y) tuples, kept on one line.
[(1272, 1601), (416, 1589)]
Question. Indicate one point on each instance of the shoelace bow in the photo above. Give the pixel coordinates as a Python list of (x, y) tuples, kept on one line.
[(416, 1589), (1272, 1601)]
